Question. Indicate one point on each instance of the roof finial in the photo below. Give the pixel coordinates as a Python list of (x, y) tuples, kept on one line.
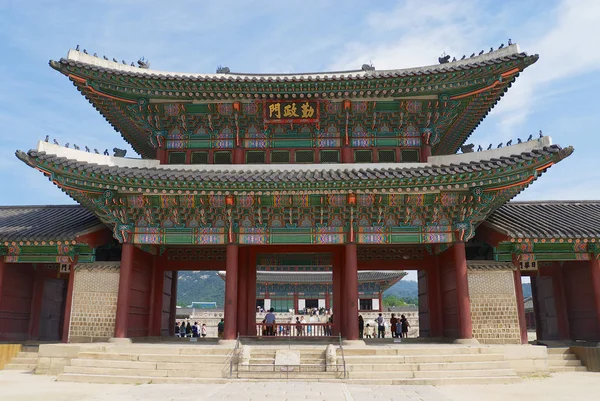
[(509, 42), (223, 70), (444, 58), (143, 63)]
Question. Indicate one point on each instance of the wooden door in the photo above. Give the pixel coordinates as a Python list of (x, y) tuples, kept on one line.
[(548, 317), (52, 313)]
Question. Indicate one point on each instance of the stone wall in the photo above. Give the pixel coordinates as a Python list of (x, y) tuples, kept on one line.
[(94, 307), (494, 307)]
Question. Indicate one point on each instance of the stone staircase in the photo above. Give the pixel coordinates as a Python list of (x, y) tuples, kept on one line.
[(428, 365), (313, 365), (140, 364), (561, 359), (26, 360)]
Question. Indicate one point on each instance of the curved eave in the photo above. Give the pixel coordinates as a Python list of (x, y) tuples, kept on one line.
[(479, 83), (515, 171)]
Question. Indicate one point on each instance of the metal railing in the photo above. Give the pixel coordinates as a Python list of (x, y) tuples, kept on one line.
[(294, 330)]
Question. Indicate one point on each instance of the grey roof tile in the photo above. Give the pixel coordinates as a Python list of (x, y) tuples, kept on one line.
[(548, 219), (46, 223)]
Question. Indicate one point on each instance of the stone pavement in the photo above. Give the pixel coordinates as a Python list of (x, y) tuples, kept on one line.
[(564, 386)]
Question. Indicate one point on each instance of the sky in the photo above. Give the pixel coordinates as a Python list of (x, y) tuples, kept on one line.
[(558, 94)]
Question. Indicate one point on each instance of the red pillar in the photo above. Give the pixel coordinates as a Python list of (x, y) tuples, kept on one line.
[(347, 155), (242, 296), (161, 155), (436, 328), (2, 270), (327, 297), (68, 304), (465, 325), (425, 152), (380, 302), (562, 316), (351, 291), (125, 273), (295, 299), (238, 155), (337, 277), (231, 284), (173, 302), (595, 275), (251, 292), (158, 284), (520, 305), (36, 303)]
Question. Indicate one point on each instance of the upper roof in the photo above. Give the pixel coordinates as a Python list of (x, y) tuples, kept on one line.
[(287, 277), (46, 223), (548, 219), (469, 88)]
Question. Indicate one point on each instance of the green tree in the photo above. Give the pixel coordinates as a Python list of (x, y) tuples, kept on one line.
[(392, 300)]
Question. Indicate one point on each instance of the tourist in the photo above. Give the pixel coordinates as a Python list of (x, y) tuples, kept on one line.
[(221, 328), (298, 326), (405, 325), (330, 325), (176, 329), (380, 326), (195, 330), (361, 326), (368, 331), (182, 330), (393, 322), (203, 330), (270, 321), (263, 327), (188, 330)]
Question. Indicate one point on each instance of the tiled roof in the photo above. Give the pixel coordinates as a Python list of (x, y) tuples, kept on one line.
[(548, 219), (254, 173), (322, 277), (81, 60), (489, 265), (46, 223)]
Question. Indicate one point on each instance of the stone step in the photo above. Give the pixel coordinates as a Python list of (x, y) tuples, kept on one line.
[(560, 369), (20, 366), (385, 359), (559, 350), (402, 350), (154, 357), (206, 373), (560, 357), (432, 374), (113, 364), (566, 362), (191, 349), (289, 375), (21, 361), (27, 354), (438, 381), (428, 366)]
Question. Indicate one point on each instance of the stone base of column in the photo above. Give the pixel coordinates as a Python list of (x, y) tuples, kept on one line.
[(466, 341), (119, 341), (227, 343), (353, 343)]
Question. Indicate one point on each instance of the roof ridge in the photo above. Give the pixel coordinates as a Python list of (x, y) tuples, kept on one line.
[(553, 201), (40, 206)]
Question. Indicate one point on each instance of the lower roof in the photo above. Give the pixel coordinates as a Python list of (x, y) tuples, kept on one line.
[(280, 277), (46, 223), (548, 219)]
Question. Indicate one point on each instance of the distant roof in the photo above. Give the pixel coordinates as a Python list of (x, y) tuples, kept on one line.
[(46, 223), (322, 277), (548, 219)]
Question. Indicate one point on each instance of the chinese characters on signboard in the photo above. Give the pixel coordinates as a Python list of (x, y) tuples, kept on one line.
[(291, 112)]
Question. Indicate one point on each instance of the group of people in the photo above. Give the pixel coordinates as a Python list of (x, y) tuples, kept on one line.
[(301, 326), (190, 330), (398, 327)]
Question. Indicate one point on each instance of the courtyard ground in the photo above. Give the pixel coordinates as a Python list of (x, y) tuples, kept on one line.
[(560, 387)]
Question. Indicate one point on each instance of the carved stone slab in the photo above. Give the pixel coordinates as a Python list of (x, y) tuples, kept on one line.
[(287, 357)]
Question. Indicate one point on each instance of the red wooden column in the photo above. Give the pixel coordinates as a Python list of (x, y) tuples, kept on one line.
[(595, 274), (337, 277), (436, 328), (68, 303), (560, 300), (327, 297), (36, 303), (251, 292), (465, 325), (520, 305), (173, 302), (231, 284), (125, 273), (242, 297), (351, 291), (536, 308), (158, 285), (2, 270)]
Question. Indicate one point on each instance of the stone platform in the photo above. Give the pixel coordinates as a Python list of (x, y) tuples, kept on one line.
[(376, 364)]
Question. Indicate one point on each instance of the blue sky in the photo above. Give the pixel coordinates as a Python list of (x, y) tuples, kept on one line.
[(558, 94)]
